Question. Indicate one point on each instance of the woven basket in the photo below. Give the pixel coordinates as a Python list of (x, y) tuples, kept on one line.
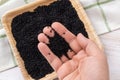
[(7, 19)]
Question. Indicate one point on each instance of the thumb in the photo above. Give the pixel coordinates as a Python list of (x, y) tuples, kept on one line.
[(89, 46)]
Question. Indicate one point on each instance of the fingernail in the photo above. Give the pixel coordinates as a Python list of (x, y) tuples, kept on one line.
[(81, 35)]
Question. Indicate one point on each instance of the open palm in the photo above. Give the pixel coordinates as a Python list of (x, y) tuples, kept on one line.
[(87, 61)]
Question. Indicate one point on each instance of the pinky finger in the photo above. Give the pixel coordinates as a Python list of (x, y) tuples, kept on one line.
[(53, 60)]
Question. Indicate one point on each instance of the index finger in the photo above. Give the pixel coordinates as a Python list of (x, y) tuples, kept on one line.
[(69, 37), (63, 32)]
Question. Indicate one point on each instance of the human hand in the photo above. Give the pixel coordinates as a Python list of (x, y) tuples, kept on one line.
[(87, 61)]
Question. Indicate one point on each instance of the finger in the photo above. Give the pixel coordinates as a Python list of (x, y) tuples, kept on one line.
[(83, 41), (48, 31), (89, 46), (70, 53), (80, 55), (64, 58), (69, 37), (67, 68), (53, 60), (43, 38), (63, 32), (75, 46)]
